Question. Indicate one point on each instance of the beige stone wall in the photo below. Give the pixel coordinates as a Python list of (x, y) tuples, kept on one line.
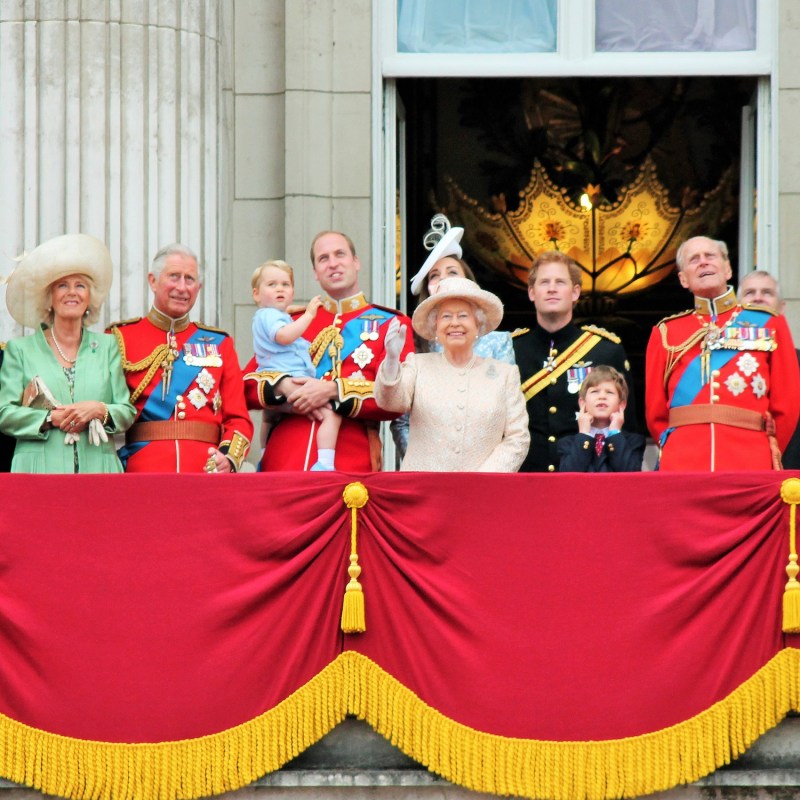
[(298, 99), (788, 120)]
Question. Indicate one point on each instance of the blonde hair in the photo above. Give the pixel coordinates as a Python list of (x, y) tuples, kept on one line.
[(281, 265)]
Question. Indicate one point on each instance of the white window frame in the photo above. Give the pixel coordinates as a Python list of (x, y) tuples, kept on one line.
[(574, 57)]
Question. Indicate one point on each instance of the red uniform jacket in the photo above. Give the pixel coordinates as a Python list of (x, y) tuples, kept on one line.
[(743, 359), (347, 346), (204, 386)]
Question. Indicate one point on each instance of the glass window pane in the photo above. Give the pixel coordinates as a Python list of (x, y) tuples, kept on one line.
[(675, 25), (476, 26)]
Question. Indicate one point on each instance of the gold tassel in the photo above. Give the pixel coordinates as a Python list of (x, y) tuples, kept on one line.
[(790, 493), (353, 615)]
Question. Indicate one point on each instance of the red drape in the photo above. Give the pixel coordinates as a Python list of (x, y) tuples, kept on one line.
[(151, 608)]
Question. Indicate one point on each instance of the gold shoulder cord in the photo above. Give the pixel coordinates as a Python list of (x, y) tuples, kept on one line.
[(327, 337), (151, 363), (674, 354)]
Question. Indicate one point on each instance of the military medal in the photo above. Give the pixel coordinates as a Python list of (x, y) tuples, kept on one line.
[(197, 398), (370, 326), (576, 376), (362, 355), (205, 380), (200, 354), (166, 364), (550, 362), (369, 329)]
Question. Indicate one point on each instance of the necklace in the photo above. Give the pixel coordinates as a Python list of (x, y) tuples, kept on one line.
[(58, 346), (469, 365)]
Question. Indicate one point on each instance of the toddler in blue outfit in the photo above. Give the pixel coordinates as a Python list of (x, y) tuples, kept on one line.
[(280, 347)]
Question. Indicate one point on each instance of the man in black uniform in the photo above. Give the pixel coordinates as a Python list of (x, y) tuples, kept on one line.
[(554, 356)]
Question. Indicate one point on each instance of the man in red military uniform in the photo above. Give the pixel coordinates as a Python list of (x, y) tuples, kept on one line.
[(184, 378), (346, 346), (723, 384)]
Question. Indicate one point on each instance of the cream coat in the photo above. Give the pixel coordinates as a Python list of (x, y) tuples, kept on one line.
[(461, 420)]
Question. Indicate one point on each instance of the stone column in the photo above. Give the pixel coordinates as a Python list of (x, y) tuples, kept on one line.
[(109, 125)]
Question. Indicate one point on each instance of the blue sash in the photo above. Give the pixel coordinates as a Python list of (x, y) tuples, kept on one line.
[(690, 383), (158, 410), (351, 334)]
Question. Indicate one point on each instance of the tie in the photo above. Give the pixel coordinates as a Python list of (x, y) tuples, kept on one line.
[(599, 438)]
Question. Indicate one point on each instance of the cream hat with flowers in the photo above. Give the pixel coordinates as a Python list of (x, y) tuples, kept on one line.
[(441, 240), (28, 286), (457, 289)]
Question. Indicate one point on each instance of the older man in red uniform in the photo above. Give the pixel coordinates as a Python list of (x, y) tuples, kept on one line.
[(184, 378), (346, 344), (723, 385)]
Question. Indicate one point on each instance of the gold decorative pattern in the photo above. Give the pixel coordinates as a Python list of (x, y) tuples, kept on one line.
[(621, 248)]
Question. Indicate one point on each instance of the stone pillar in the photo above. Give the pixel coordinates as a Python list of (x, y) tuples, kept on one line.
[(109, 125), (787, 118), (301, 101)]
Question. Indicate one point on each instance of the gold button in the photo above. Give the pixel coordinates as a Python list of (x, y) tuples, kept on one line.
[(179, 398), (553, 409), (715, 384), (553, 381), (181, 405), (715, 398), (715, 373), (181, 414), (586, 445), (551, 438), (551, 468)]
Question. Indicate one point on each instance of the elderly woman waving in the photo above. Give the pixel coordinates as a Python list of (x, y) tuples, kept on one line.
[(63, 392), (467, 414)]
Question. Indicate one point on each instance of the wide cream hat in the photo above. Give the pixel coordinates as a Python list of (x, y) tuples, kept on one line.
[(441, 240), (457, 289), (28, 286)]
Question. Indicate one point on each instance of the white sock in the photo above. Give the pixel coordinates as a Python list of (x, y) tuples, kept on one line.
[(325, 457)]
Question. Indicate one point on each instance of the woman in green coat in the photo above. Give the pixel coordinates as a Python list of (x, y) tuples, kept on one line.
[(83, 398)]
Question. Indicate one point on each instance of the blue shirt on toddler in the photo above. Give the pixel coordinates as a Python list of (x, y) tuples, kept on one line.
[(293, 359)]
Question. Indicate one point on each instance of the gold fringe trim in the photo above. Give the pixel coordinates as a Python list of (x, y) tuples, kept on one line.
[(88, 770), (790, 493), (600, 770), (596, 770)]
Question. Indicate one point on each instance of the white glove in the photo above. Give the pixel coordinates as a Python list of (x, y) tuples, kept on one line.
[(97, 433), (71, 438), (394, 340), (393, 344)]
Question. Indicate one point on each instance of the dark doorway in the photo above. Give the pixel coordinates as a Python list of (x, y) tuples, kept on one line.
[(595, 134)]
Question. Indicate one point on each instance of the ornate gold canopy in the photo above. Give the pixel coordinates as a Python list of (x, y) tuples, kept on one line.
[(621, 248)]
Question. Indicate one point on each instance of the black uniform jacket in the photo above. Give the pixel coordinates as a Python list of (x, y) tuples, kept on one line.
[(551, 390), (622, 452)]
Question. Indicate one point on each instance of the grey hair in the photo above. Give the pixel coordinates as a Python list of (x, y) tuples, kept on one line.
[(480, 316), (761, 273), (170, 250), (679, 256), (45, 310)]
